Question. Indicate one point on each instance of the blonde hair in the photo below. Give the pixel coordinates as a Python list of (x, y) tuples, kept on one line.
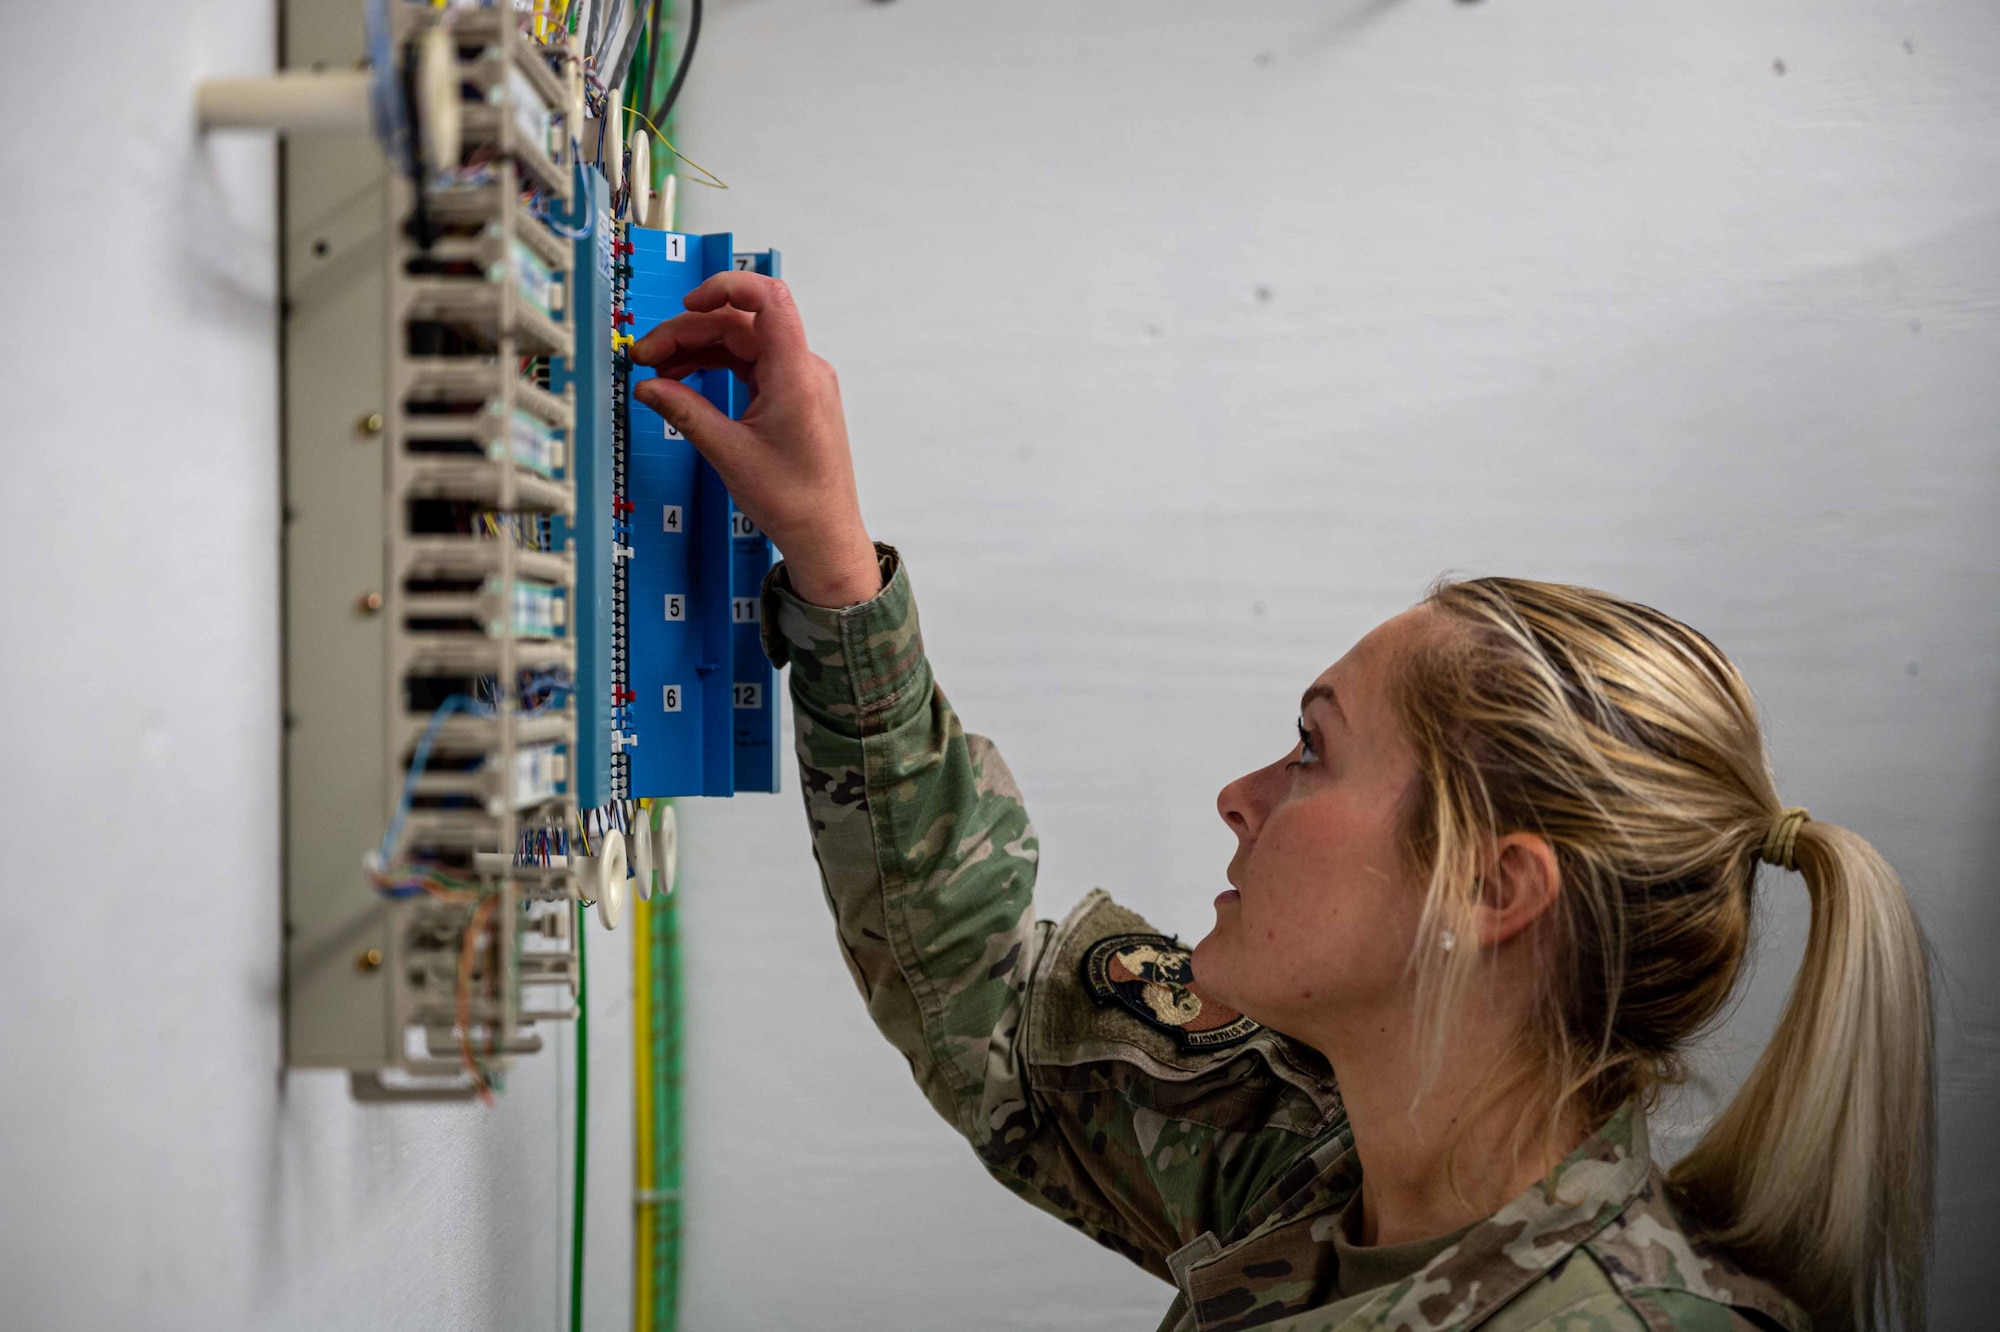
[(1632, 745)]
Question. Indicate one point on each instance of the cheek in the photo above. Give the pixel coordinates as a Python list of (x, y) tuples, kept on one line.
[(1324, 917)]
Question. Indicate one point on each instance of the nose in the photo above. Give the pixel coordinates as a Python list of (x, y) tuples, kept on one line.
[(1243, 806)]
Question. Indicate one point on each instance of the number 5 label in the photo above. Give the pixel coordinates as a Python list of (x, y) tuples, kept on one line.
[(676, 606)]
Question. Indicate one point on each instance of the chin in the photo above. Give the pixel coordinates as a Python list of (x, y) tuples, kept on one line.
[(1211, 968)]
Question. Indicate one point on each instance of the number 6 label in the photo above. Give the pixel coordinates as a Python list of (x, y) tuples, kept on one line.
[(671, 698)]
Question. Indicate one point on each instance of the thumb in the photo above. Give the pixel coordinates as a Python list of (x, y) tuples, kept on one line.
[(691, 414)]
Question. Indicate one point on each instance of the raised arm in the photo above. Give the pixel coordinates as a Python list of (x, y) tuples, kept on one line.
[(929, 862)]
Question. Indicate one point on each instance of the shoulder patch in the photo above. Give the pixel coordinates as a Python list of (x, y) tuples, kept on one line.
[(1150, 976)]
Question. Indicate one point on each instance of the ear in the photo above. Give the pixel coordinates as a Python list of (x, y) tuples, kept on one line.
[(1519, 887)]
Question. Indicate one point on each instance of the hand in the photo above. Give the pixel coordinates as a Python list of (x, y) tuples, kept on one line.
[(786, 462)]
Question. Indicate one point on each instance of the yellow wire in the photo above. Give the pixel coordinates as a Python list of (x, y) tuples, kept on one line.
[(646, 1148), (713, 182)]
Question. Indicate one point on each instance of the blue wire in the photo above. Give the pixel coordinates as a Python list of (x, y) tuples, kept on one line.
[(422, 756), (582, 196)]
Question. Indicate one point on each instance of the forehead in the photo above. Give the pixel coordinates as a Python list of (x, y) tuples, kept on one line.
[(1361, 677)]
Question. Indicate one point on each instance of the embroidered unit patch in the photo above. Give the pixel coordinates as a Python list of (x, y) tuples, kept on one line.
[(1152, 976)]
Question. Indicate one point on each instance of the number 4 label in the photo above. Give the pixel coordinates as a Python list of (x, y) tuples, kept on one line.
[(670, 518), (748, 695)]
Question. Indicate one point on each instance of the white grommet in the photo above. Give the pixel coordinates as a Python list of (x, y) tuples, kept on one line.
[(666, 848), (641, 179), (613, 163), (641, 849), (608, 875), (670, 192), (440, 118)]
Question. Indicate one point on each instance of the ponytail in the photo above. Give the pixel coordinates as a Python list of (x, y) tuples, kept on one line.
[(1821, 1168)]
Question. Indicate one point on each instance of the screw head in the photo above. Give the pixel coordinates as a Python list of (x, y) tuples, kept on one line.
[(370, 424), (369, 602), (370, 959)]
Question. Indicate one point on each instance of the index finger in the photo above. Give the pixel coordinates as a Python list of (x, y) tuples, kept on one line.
[(781, 336)]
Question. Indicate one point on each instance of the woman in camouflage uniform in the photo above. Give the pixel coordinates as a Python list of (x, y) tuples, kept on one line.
[(1504, 874)]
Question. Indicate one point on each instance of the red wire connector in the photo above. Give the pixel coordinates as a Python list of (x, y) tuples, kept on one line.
[(622, 696), (620, 317), (621, 505), (621, 247)]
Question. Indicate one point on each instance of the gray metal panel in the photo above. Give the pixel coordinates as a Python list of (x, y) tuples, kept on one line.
[(336, 765)]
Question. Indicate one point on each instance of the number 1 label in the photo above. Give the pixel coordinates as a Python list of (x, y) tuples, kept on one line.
[(677, 247)]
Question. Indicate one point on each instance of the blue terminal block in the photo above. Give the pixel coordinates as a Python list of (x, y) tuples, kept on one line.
[(681, 735), (754, 682), (591, 458)]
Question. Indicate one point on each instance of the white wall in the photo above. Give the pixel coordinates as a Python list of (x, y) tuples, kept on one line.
[(156, 1169), (1561, 289)]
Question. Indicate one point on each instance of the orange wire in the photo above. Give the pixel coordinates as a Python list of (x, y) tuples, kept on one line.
[(466, 950)]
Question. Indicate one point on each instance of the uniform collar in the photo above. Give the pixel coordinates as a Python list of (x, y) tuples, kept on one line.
[(1517, 1244), (1282, 1262)]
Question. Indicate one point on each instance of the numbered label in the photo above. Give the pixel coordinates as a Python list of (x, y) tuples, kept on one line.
[(671, 698), (747, 695), (672, 433), (676, 606), (746, 263), (741, 527), (743, 610), (677, 247), (670, 518)]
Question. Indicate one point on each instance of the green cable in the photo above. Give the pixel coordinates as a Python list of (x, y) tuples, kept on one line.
[(582, 1123)]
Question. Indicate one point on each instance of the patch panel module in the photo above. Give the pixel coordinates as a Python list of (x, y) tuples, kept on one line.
[(517, 604)]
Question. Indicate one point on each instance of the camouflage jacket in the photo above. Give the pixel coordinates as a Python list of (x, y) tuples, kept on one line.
[(1215, 1154)]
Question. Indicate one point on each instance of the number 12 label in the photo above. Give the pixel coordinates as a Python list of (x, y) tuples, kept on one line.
[(748, 695)]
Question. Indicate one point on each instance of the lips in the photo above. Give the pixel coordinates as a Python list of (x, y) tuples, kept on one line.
[(1226, 896)]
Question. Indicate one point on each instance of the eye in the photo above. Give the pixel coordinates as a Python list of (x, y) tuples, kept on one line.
[(1307, 754)]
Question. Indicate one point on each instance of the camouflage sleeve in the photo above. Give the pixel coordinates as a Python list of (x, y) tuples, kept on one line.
[(929, 863)]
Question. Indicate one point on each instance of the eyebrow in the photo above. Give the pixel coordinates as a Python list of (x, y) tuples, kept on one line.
[(1324, 691)]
